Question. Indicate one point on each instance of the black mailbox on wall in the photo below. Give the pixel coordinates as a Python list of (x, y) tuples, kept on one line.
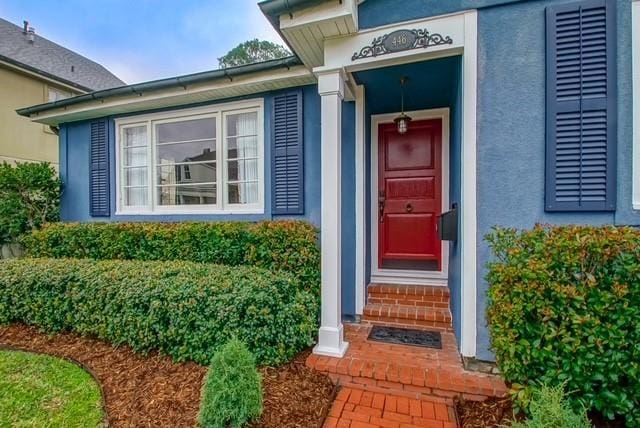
[(448, 224)]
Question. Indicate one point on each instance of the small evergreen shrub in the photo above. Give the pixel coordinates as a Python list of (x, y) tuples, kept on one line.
[(186, 310), (232, 390), (29, 197), (289, 246), (564, 308), (550, 409)]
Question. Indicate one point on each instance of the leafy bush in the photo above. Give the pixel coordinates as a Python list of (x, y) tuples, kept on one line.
[(289, 246), (564, 307), (232, 391), (550, 409), (29, 197), (187, 310)]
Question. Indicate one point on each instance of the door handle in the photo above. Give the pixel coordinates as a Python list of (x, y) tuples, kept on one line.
[(408, 207), (381, 201)]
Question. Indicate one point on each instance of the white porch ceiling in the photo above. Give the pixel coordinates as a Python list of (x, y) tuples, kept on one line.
[(306, 30)]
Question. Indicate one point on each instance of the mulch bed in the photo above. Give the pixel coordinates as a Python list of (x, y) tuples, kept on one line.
[(152, 390), (295, 396), (494, 412), (497, 413)]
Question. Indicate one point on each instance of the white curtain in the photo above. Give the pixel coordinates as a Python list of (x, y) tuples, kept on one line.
[(247, 144), (135, 173)]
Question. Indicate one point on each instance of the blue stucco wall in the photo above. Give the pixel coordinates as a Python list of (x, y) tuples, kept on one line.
[(455, 191), (511, 125), (348, 202), (374, 13), (511, 118)]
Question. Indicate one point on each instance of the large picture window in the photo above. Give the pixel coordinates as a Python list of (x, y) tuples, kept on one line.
[(201, 160)]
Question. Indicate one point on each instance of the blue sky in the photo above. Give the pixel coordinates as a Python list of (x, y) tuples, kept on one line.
[(142, 40)]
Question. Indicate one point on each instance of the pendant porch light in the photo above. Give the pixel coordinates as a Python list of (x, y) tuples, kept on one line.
[(402, 121)]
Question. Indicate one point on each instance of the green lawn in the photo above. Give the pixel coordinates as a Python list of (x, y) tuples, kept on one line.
[(43, 391)]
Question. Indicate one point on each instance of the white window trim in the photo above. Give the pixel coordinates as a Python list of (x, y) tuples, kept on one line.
[(219, 111), (635, 52)]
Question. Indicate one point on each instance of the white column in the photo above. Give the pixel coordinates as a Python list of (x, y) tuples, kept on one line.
[(468, 199), (331, 337)]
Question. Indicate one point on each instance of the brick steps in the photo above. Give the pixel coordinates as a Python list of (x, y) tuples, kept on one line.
[(411, 306), (408, 316)]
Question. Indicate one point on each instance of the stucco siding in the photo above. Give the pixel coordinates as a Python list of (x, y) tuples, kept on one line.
[(348, 226), (511, 125), (375, 13), (20, 139)]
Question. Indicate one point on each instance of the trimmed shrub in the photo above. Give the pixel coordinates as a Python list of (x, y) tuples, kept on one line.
[(289, 246), (186, 310), (29, 197), (550, 409), (232, 390), (564, 307)]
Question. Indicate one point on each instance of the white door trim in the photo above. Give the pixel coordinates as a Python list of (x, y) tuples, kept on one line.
[(361, 218), (412, 277)]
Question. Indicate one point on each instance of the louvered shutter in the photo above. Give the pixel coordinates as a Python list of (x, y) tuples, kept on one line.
[(581, 123), (99, 170), (287, 154)]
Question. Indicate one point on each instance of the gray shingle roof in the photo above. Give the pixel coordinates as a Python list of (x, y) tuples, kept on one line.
[(51, 59)]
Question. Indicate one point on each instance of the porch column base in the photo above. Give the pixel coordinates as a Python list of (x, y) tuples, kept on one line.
[(330, 342)]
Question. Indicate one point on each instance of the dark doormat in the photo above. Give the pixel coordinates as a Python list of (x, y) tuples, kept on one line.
[(405, 336)]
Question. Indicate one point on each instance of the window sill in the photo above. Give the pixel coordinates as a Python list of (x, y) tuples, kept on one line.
[(189, 213)]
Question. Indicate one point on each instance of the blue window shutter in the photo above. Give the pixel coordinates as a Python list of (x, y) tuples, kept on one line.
[(580, 113), (99, 170), (287, 154)]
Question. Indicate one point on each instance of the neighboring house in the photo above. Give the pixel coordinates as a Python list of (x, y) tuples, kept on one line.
[(522, 112), (34, 70)]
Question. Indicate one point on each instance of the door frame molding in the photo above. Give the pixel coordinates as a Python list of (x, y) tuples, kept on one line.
[(397, 276)]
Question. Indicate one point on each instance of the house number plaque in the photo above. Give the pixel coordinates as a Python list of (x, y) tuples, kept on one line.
[(401, 40)]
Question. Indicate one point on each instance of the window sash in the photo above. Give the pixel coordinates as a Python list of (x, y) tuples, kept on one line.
[(219, 113)]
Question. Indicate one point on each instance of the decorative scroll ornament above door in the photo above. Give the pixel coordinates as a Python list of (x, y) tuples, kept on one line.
[(401, 40)]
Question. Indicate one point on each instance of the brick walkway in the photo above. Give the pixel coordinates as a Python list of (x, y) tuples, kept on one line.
[(409, 371), (356, 408), (398, 386)]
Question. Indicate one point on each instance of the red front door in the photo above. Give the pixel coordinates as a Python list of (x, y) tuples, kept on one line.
[(409, 196)]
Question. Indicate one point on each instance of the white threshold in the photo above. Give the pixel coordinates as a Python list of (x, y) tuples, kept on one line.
[(409, 277)]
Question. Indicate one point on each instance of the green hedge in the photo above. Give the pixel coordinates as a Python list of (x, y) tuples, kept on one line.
[(186, 310), (564, 307), (289, 246), (29, 197)]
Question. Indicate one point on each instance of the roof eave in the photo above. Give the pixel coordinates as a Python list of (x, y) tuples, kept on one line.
[(189, 91), (160, 84)]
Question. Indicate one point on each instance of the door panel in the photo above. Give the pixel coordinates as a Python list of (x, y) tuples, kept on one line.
[(410, 199)]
